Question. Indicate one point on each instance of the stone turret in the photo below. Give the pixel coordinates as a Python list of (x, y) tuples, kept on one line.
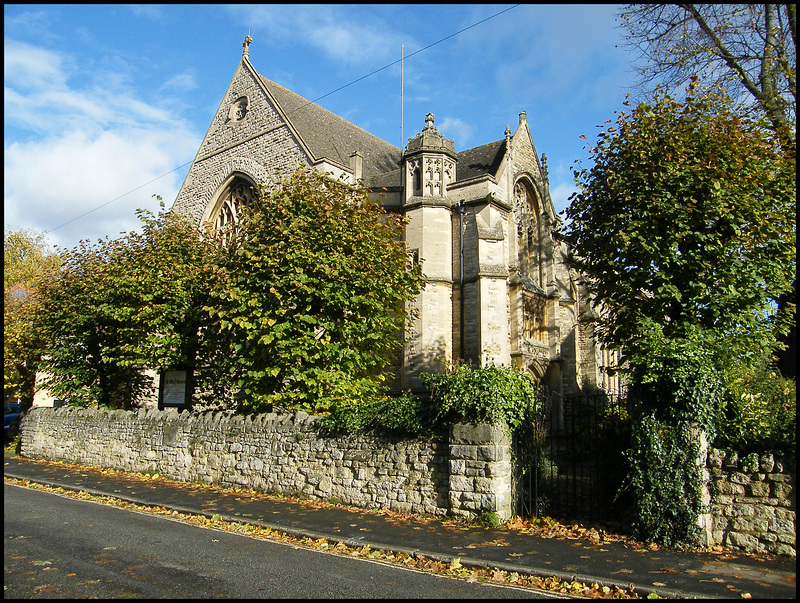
[(430, 163), (429, 167)]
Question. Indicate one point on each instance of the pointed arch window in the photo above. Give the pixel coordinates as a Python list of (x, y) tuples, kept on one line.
[(239, 194), (529, 232), (534, 326)]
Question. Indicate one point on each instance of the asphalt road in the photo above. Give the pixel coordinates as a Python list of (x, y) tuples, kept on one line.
[(58, 547)]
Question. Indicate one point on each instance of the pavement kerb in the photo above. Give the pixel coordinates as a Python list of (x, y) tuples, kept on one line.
[(441, 557)]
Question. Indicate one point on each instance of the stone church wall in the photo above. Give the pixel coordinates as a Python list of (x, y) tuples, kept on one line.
[(466, 473), (230, 145)]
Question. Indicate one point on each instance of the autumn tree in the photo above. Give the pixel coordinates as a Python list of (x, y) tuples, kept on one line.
[(119, 307), (313, 295), (748, 50), (26, 257)]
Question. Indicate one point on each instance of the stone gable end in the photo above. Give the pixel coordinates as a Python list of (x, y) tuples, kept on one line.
[(249, 135)]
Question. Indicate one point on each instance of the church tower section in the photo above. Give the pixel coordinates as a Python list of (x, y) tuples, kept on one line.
[(543, 317), (485, 236), (429, 167)]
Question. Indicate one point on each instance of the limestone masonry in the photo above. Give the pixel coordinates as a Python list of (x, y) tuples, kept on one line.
[(466, 472), (467, 475), (482, 223), (754, 507)]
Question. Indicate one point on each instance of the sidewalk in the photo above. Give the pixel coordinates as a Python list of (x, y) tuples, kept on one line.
[(663, 572)]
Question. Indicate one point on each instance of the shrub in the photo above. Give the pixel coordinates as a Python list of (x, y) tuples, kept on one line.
[(759, 412), (491, 394), (405, 414)]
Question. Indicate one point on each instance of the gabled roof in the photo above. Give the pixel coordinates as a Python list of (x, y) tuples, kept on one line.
[(18, 293), (481, 160), (329, 136)]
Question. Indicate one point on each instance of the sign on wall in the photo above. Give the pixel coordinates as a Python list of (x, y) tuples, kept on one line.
[(173, 388)]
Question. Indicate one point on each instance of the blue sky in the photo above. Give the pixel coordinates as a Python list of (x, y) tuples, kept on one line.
[(106, 105)]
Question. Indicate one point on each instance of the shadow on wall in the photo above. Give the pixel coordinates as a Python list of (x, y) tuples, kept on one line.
[(432, 360)]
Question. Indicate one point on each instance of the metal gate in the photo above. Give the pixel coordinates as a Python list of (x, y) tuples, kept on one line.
[(569, 461)]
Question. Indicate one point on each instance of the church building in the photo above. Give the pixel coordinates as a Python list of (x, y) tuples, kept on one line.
[(482, 223)]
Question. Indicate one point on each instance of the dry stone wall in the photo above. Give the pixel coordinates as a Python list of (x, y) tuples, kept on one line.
[(754, 503), (283, 453)]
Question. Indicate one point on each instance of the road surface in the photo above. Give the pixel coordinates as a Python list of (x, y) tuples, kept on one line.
[(58, 547)]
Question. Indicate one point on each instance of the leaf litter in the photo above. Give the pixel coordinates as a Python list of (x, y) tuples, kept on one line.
[(544, 527)]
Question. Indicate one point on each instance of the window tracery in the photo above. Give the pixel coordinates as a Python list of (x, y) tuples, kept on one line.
[(238, 195), (529, 233), (534, 326)]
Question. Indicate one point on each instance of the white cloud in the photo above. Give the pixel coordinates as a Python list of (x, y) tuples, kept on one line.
[(150, 11), (556, 50), (180, 82), (82, 148), (367, 41), (51, 182), (456, 130), (31, 67)]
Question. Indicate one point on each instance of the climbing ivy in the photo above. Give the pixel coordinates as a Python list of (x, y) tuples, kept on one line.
[(666, 481), (406, 414), (493, 394), (675, 393)]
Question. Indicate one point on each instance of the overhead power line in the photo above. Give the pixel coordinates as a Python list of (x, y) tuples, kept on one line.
[(118, 198), (339, 89)]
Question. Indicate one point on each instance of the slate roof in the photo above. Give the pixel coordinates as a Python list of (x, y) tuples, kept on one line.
[(480, 161), (329, 136)]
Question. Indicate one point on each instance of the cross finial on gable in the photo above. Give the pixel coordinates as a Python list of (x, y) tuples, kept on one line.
[(246, 45)]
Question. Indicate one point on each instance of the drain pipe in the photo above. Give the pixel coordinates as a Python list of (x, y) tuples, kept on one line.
[(461, 209)]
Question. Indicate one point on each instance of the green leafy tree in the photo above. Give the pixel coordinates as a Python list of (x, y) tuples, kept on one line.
[(79, 340), (161, 280), (313, 295), (748, 50), (119, 307), (685, 230), (687, 220)]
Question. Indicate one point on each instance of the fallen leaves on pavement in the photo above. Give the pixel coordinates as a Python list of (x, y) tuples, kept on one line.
[(451, 568)]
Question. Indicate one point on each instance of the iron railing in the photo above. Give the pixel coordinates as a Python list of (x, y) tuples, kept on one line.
[(569, 461)]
